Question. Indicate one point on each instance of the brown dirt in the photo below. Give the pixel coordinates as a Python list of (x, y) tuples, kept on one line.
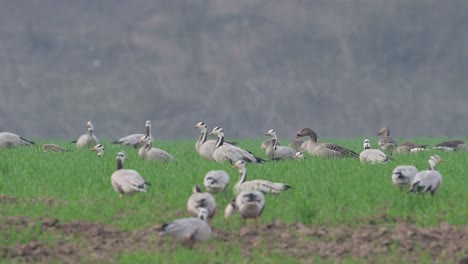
[(78, 241)]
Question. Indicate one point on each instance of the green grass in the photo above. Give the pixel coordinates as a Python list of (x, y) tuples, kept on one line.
[(325, 191)]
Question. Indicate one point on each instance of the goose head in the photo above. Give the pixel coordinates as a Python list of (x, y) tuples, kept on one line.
[(307, 132), (148, 123), (202, 213), (145, 140), (366, 144), (202, 126), (299, 155), (90, 126), (240, 165), (433, 161), (383, 132), (121, 156), (271, 133), (100, 150), (218, 131)]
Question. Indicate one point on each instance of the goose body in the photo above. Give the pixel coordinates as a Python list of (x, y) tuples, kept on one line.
[(372, 155), (403, 175), (200, 199), (428, 180), (99, 148), (10, 140), (127, 181), (409, 147), (229, 153), (268, 142), (249, 204), (450, 145), (53, 148), (276, 152), (386, 142), (88, 139), (203, 146), (322, 149), (216, 181), (134, 139), (189, 230), (255, 185), (147, 152), (298, 144)]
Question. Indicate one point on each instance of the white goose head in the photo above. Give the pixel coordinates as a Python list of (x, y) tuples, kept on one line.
[(100, 150), (271, 133), (90, 126), (240, 165), (366, 144), (433, 161), (121, 156), (299, 155), (218, 131), (202, 126), (145, 139)]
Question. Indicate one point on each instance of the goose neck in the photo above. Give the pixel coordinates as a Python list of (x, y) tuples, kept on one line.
[(119, 164)]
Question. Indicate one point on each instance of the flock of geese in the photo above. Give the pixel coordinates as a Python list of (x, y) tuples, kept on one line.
[(249, 202)]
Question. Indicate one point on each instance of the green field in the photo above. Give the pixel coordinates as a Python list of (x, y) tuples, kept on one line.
[(338, 210)]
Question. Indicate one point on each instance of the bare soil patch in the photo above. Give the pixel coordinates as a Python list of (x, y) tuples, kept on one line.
[(78, 241)]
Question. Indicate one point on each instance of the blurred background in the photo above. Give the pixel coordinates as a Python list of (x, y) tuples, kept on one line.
[(343, 68)]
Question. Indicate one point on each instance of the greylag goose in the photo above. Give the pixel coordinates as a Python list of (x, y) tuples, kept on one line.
[(372, 155), (134, 139), (323, 149), (249, 204), (229, 153), (127, 181), (53, 148), (258, 185), (147, 152), (428, 180), (275, 152), (450, 145), (216, 181), (87, 139), (409, 147), (99, 148), (403, 175), (386, 142), (198, 200), (10, 140), (189, 230)]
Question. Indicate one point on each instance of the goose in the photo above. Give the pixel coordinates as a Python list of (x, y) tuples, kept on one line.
[(428, 180), (229, 153), (127, 181), (198, 200), (216, 181), (409, 147), (268, 142), (450, 145), (372, 155), (134, 139), (298, 144), (323, 149), (275, 152), (203, 146), (10, 140), (189, 230), (462, 147), (87, 139), (147, 152), (54, 148), (258, 185), (386, 142), (99, 148), (403, 175), (249, 204)]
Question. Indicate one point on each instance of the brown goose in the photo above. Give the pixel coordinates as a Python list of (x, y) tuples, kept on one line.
[(53, 148), (409, 147), (450, 145), (323, 149), (386, 142)]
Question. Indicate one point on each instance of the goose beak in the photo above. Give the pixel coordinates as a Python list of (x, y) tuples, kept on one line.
[(211, 133), (234, 166), (93, 149), (441, 161)]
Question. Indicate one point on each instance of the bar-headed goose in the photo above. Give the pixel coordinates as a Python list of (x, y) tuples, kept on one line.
[(198, 200), (53, 148), (386, 142), (134, 139), (403, 175), (189, 230), (147, 152), (298, 144), (267, 142), (127, 181), (229, 153), (323, 149), (249, 204), (216, 181), (203, 146), (450, 145), (372, 155), (10, 140), (258, 185), (99, 148), (275, 152), (88, 139), (409, 147), (428, 180)]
